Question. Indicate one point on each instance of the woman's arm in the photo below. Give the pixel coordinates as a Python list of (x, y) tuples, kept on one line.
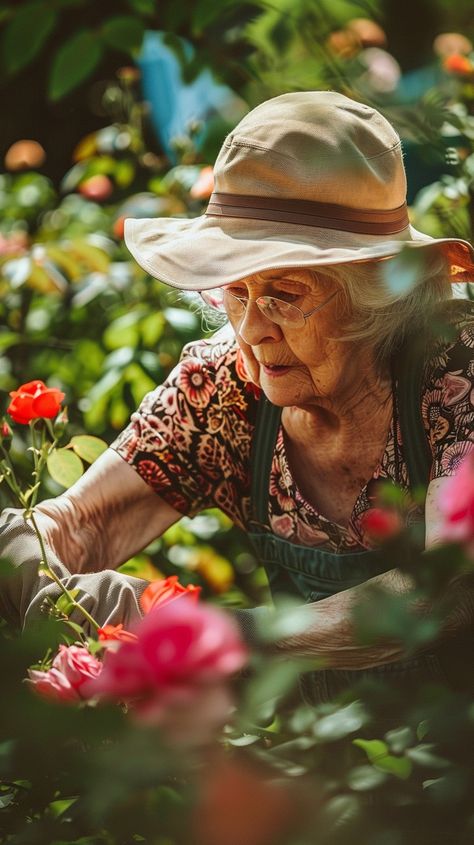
[(105, 518), (331, 633)]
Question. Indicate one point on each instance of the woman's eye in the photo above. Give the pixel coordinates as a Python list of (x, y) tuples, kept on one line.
[(286, 296)]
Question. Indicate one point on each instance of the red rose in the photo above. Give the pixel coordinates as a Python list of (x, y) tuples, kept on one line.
[(381, 524), (160, 592), (33, 401)]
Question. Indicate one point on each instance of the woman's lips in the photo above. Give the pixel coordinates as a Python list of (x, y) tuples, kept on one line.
[(274, 370)]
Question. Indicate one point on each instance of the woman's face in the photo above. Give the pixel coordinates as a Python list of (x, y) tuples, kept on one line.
[(292, 365)]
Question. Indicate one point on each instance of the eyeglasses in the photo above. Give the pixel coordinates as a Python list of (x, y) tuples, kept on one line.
[(277, 310)]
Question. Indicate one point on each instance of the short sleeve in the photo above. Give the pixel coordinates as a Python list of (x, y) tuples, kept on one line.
[(190, 438), (448, 402)]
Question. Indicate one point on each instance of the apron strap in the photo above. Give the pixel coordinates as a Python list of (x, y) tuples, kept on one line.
[(264, 438), (409, 367)]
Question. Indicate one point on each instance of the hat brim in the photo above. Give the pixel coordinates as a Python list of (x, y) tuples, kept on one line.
[(206, 252)]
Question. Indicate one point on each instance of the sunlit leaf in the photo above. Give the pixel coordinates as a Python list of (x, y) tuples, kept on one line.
[(65, 467), (64, 603), (362, 778), (88, 448), (343, 722)]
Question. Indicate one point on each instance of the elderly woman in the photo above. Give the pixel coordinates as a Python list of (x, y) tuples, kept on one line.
[(290, 417)]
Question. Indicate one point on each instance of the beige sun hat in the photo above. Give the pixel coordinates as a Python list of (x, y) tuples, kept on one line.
[(304, 180)]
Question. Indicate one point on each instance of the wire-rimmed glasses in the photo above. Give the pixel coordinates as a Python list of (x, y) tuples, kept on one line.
[(277, 310)]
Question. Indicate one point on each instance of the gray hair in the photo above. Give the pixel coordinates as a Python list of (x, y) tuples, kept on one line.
[(383, 301)]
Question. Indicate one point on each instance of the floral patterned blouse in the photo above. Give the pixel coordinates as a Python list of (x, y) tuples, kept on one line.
[(190, 439)]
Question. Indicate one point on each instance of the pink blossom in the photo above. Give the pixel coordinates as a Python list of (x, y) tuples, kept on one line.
[(72, 667), (179, 646), (456, 503), (52, 684), (77, 665)]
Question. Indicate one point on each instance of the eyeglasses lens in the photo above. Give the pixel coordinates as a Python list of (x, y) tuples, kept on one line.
[(272, 308)]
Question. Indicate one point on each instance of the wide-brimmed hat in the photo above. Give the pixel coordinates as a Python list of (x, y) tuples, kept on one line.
[(304, 180)]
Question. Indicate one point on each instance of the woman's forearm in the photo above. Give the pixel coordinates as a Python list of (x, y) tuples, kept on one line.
[(332, 633)]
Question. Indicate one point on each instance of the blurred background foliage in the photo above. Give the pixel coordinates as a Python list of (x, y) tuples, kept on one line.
[(85, 143)]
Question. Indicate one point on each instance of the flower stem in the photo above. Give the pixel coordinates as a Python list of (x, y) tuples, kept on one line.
[(44, 563)]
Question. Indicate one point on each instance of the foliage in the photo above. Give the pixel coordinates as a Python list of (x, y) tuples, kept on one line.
[(371, 765)]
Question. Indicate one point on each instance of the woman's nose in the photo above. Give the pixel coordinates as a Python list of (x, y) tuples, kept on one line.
[(254, 328)]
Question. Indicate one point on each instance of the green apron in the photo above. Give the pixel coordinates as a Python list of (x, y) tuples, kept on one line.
[(312, 574)]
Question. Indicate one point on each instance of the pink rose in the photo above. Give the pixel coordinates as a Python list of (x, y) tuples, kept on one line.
[(179, 646), (72, 667), (52, 684), (77, 665), (456, 503)]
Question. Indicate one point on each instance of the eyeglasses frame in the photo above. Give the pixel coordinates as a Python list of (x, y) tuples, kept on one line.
[(304, 315)]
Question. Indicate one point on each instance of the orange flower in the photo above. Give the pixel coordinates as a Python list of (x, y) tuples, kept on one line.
[(160, 592), (458, 64), (24, 155), (116, 633), (34, 400)]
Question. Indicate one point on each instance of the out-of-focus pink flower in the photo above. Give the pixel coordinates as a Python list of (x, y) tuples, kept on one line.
[(383, 71), (72, 667), (52, 684), (204, 184), (381, 524), (97, 188), (456, 503), (163, 590), (14, 243), (179, 646)]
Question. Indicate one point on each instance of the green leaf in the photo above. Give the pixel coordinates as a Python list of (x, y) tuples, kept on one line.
[(57, 808), (377, 752), (343, 722), (88, 447), (74, 61), (123, 32), (26, 33), (65, 467), (64, 604), (423, 755), (374, 748), (399, 739), (242, 741), (366, 777), (143, 7)]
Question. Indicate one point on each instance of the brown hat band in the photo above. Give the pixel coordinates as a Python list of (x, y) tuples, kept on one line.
[(308, 213)]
